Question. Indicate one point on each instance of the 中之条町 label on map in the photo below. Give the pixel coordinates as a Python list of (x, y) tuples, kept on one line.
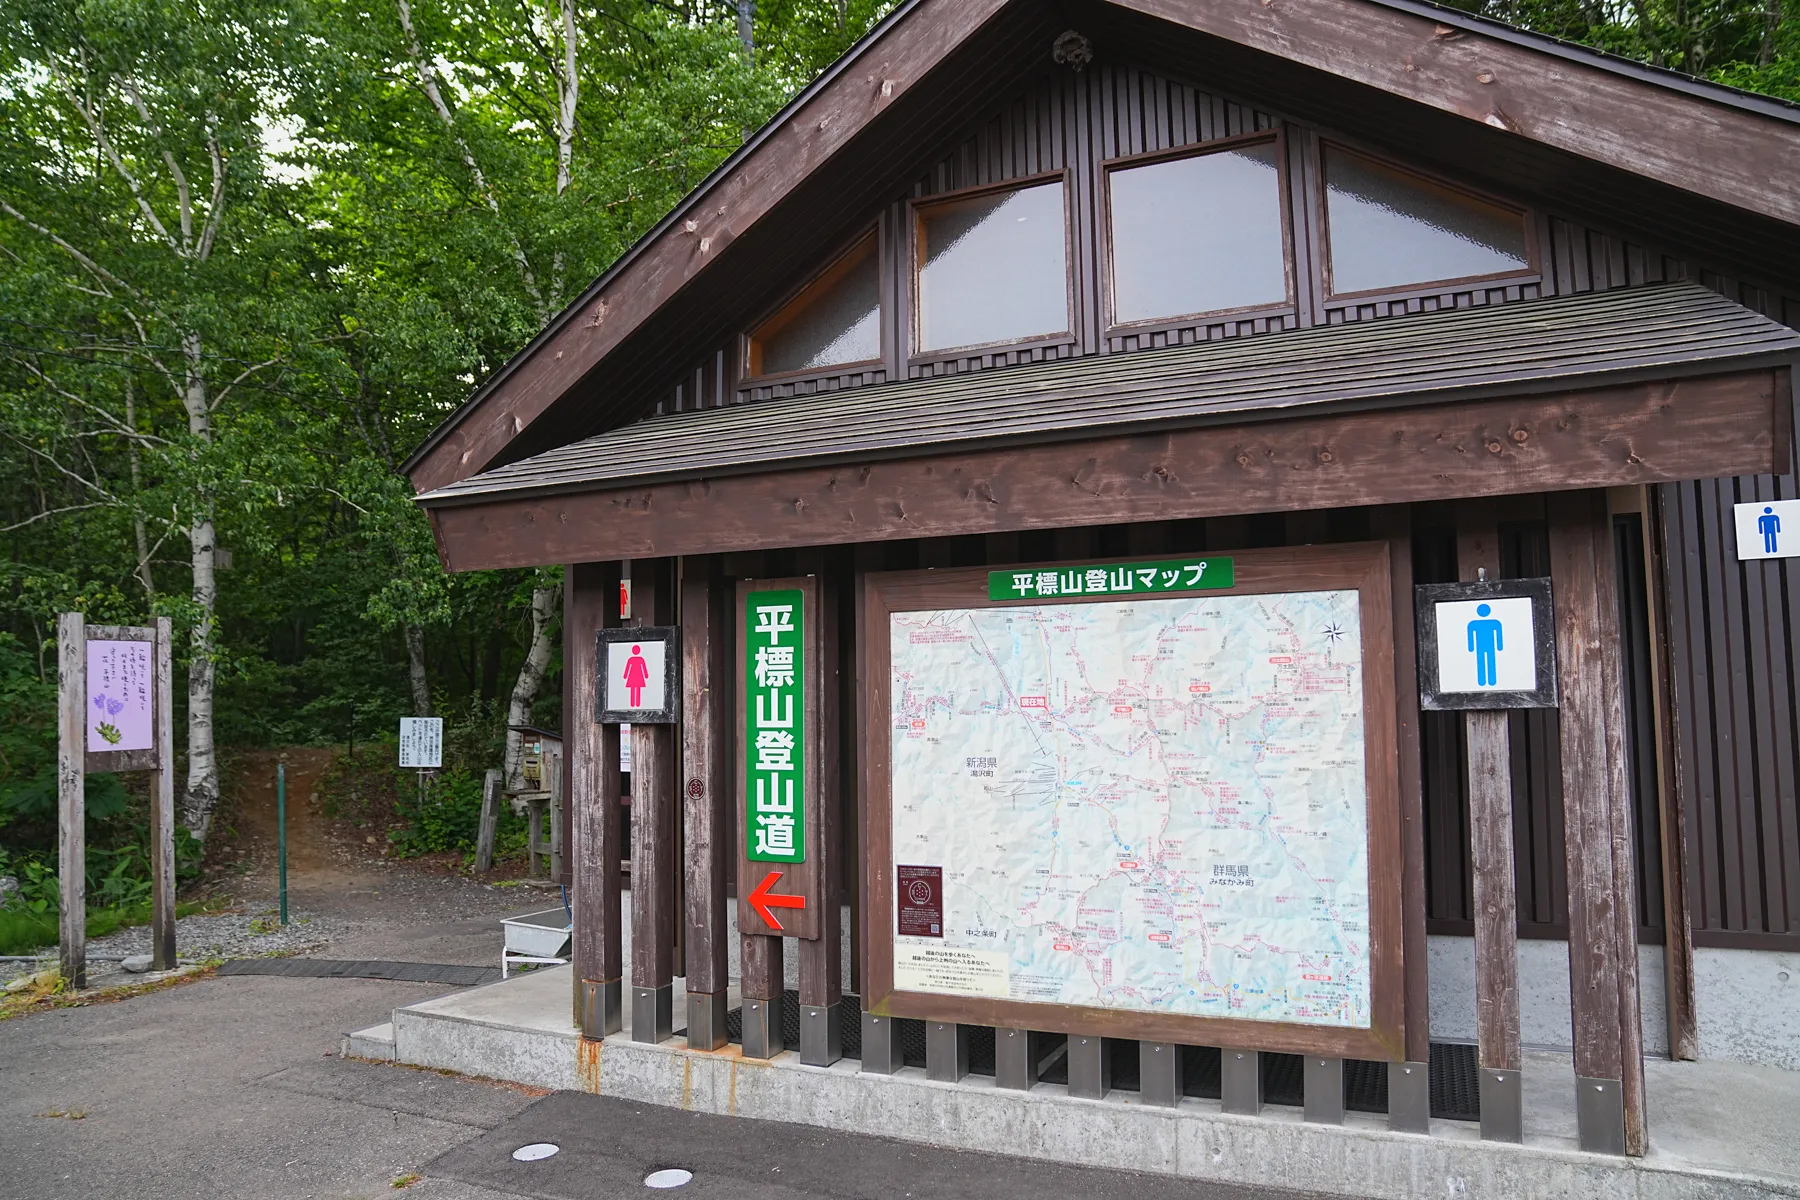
[(1112, 579), (1157, 804)]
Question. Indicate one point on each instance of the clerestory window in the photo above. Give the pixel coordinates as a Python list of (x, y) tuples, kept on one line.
[(835, 321), (993, 267)]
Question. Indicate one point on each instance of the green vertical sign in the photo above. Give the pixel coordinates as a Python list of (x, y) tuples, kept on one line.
[(775, 715)]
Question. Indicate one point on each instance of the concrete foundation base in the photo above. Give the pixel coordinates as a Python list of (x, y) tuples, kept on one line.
[(1717, 1129)]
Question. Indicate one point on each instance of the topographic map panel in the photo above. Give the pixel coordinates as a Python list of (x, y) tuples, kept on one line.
[(1157, 805)]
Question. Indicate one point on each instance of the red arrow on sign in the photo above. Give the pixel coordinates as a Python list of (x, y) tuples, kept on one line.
[(762, 900)]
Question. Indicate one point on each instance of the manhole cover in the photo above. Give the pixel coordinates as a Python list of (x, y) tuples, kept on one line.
[(672, 1177), (535, 1151)]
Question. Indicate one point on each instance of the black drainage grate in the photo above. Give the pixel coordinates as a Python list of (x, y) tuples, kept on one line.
[(1455, 1094)]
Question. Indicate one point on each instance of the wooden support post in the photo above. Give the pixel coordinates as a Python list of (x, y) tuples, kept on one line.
[(822, 958), (706, 716), (764, 996), (1608, 1030), (534, 836), (554, 779), (162, 807), (1678, 927), (881, 1049), (1409, 1088), (652, 834), (591, 603), (490, 824), (71, 793), (1488, 739)]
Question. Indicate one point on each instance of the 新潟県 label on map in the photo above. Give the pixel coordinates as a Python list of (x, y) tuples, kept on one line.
[(1152, 804), (1112, 579)]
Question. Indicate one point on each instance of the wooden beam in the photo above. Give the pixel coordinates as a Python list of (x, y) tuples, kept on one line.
[(1488, 738), (822, 958), (1649, 129), (706, 712), (652, 834), (1608, 1031), (71, 793), (162, 806), (709, 221), (591, 603), (1628, 434), (1394, 525), (1678, 929)]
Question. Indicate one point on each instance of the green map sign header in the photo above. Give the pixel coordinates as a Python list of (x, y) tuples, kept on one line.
[(1112, 579)]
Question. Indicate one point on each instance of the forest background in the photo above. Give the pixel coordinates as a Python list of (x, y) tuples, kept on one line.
[(252, 251)]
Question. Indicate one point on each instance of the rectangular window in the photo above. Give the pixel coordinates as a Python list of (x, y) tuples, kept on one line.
[(1198, 234), (1390, 229), (834, 321), (992, 268)]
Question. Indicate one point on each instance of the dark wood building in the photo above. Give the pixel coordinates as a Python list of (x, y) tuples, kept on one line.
[(1047, 283)]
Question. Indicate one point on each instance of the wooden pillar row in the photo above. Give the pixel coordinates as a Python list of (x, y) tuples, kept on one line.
[(1608, 1029), (591, 603), (653, 832)]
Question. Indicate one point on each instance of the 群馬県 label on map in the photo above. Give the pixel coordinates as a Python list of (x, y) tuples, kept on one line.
[(1112, 579), (951, 972)]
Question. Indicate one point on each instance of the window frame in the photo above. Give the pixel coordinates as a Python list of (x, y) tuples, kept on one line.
[(1532, 272), (869, 236), (915, 209), (1289, 249)]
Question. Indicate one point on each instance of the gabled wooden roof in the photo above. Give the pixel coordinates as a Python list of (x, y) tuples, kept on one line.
[(1566, 115), (1665, 332)]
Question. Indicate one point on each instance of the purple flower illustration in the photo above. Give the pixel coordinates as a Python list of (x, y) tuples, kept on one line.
[(100, 701), (113, 707)]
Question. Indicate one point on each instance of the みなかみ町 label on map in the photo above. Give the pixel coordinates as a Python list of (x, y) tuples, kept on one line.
[(953, 972), (921, 897), (1112, 579)]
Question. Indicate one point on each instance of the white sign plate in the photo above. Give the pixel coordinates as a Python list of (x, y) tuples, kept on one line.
[(421, 741), (1767, 529), (1486, 645)]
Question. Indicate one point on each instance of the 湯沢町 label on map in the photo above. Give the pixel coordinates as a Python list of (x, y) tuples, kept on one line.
[(1112, 579)]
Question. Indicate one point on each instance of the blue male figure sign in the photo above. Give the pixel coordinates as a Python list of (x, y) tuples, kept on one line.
[(1487, 637), (1768, 529), (1486, 645)]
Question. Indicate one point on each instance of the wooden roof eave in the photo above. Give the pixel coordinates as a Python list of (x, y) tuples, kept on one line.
[(1713, 141)]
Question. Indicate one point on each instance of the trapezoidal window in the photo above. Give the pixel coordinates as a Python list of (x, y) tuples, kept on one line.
[(1197, 234), (992, 268), (1388, 229), (835, 321)]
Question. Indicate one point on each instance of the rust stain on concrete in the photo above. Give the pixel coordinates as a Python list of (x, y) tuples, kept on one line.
[(587, 1064)]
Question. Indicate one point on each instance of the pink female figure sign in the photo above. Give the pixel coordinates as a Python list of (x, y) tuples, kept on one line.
[(637, 674)]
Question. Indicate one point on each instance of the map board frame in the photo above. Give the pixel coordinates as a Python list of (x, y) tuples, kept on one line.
[(1362, 567)]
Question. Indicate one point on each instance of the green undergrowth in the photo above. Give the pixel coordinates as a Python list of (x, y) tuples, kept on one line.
[(23, 931)]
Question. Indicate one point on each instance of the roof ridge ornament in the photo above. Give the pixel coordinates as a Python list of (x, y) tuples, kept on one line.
[(1072, 49)]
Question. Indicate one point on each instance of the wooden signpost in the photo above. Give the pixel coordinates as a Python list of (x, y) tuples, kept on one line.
[(114, 714), (1485, 647)]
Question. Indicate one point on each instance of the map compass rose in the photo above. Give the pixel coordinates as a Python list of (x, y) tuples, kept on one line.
[(1334, 632)]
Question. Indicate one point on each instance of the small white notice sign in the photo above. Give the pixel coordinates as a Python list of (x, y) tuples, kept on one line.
[(1767, 529), (1486, 645), (421, 741)]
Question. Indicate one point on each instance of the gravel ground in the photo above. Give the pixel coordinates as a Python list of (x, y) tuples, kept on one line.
[(249, 934)]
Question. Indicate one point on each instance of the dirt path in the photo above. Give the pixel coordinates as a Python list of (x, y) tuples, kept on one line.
[(318, 859)]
